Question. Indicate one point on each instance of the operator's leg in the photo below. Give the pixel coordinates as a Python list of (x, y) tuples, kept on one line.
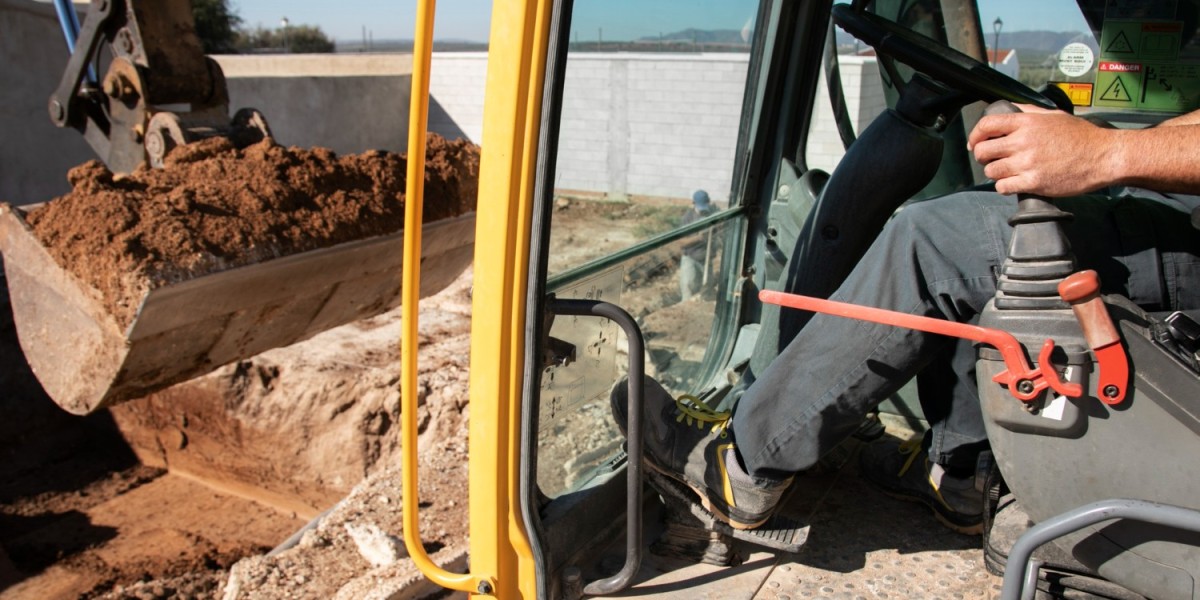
[(950, 402), (935, 258)]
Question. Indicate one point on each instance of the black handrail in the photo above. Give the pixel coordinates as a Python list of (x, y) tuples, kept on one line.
[(633, 495)]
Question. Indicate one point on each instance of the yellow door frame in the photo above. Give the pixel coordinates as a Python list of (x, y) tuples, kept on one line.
[(502, 562)]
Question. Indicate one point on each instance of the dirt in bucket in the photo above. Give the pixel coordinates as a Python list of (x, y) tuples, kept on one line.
[(216, 206)]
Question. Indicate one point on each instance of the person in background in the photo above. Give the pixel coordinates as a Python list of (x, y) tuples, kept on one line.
[(695, 263)]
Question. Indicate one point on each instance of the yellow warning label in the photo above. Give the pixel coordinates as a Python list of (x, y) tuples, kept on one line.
[(1079, 93)]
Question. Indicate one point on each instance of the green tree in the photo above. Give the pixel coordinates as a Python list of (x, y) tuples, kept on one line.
[(301, 39), (216, 24), (307, 39)]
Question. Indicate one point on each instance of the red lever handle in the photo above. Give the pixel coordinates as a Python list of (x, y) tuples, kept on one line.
[(1082, 291), (1025, 383)]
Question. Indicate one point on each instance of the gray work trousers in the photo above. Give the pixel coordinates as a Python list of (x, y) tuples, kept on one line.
[(940, 258)]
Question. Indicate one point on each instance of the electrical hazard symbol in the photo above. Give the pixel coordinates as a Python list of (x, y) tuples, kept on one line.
[(1119, 84), (1116, 92)]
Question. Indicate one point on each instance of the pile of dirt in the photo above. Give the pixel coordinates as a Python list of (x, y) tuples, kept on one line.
[(216, 206)]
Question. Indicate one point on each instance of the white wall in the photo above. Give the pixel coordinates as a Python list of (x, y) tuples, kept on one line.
[(34, 154), (456, 90), (653, 124)]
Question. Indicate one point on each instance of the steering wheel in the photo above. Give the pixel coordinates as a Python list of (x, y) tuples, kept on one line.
[(947, 65)]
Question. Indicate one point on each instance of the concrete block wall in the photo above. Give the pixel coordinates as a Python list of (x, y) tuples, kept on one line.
[(651, 124), (456, 89), (34, 154)]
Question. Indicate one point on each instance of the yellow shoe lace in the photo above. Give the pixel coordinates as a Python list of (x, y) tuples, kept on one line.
[(695, 412), (910, 449)]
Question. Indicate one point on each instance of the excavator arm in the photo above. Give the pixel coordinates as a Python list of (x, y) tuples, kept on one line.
[(158, 89)]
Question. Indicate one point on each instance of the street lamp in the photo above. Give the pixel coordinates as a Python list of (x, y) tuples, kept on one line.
[(284, 22), (996, 26)]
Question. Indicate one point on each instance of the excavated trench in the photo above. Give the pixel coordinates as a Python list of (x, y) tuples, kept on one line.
[(158, 497)]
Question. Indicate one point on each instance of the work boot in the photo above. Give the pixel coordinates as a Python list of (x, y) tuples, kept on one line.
[(691, 443), (903, 470)]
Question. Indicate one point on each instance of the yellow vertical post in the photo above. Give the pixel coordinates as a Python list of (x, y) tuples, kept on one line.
[(501, 558), (410, 298), (516, 58)]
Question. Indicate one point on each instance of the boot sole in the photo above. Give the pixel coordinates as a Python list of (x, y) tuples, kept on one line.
[(708, 504)]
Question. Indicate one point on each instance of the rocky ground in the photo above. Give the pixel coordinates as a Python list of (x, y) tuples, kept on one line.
[(161, 497)]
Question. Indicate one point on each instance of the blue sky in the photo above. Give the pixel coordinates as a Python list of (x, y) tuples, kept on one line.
[(619, 19), (385, 19)]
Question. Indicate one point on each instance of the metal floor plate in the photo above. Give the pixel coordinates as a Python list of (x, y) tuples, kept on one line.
[(862, 544)]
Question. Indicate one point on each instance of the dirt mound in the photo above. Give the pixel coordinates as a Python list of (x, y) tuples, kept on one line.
[(215, 206)]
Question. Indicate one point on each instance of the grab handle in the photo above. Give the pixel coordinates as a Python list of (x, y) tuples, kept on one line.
[(637, 385)]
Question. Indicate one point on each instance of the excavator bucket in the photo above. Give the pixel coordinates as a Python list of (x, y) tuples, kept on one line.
[(85, 360)]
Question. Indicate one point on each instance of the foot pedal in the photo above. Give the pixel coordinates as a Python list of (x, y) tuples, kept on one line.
[(780, 533)]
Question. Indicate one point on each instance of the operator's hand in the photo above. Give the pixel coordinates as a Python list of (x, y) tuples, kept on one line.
[(1048, 153)]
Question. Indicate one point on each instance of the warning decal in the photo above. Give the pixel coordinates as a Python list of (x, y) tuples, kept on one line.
[(1116, 92), (1119, 84), (1119, 45), (1141, 40), (1079, 93), (1140, 64)]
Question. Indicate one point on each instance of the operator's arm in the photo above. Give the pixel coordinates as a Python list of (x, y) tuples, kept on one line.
[(1055, 154), (1192, 118)]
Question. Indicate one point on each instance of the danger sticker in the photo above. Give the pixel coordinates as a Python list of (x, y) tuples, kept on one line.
[(1120, 67)]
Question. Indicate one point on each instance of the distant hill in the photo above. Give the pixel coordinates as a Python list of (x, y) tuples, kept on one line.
[(700, 36), (406, 46), (1029, 43), (1039, 41)]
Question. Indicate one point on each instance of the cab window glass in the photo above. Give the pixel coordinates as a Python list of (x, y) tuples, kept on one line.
[(1131, 61), (1122, 56), (650, 117)]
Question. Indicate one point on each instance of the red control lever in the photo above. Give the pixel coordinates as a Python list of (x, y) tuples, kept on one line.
[(1023, 382), (1082, 291)]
